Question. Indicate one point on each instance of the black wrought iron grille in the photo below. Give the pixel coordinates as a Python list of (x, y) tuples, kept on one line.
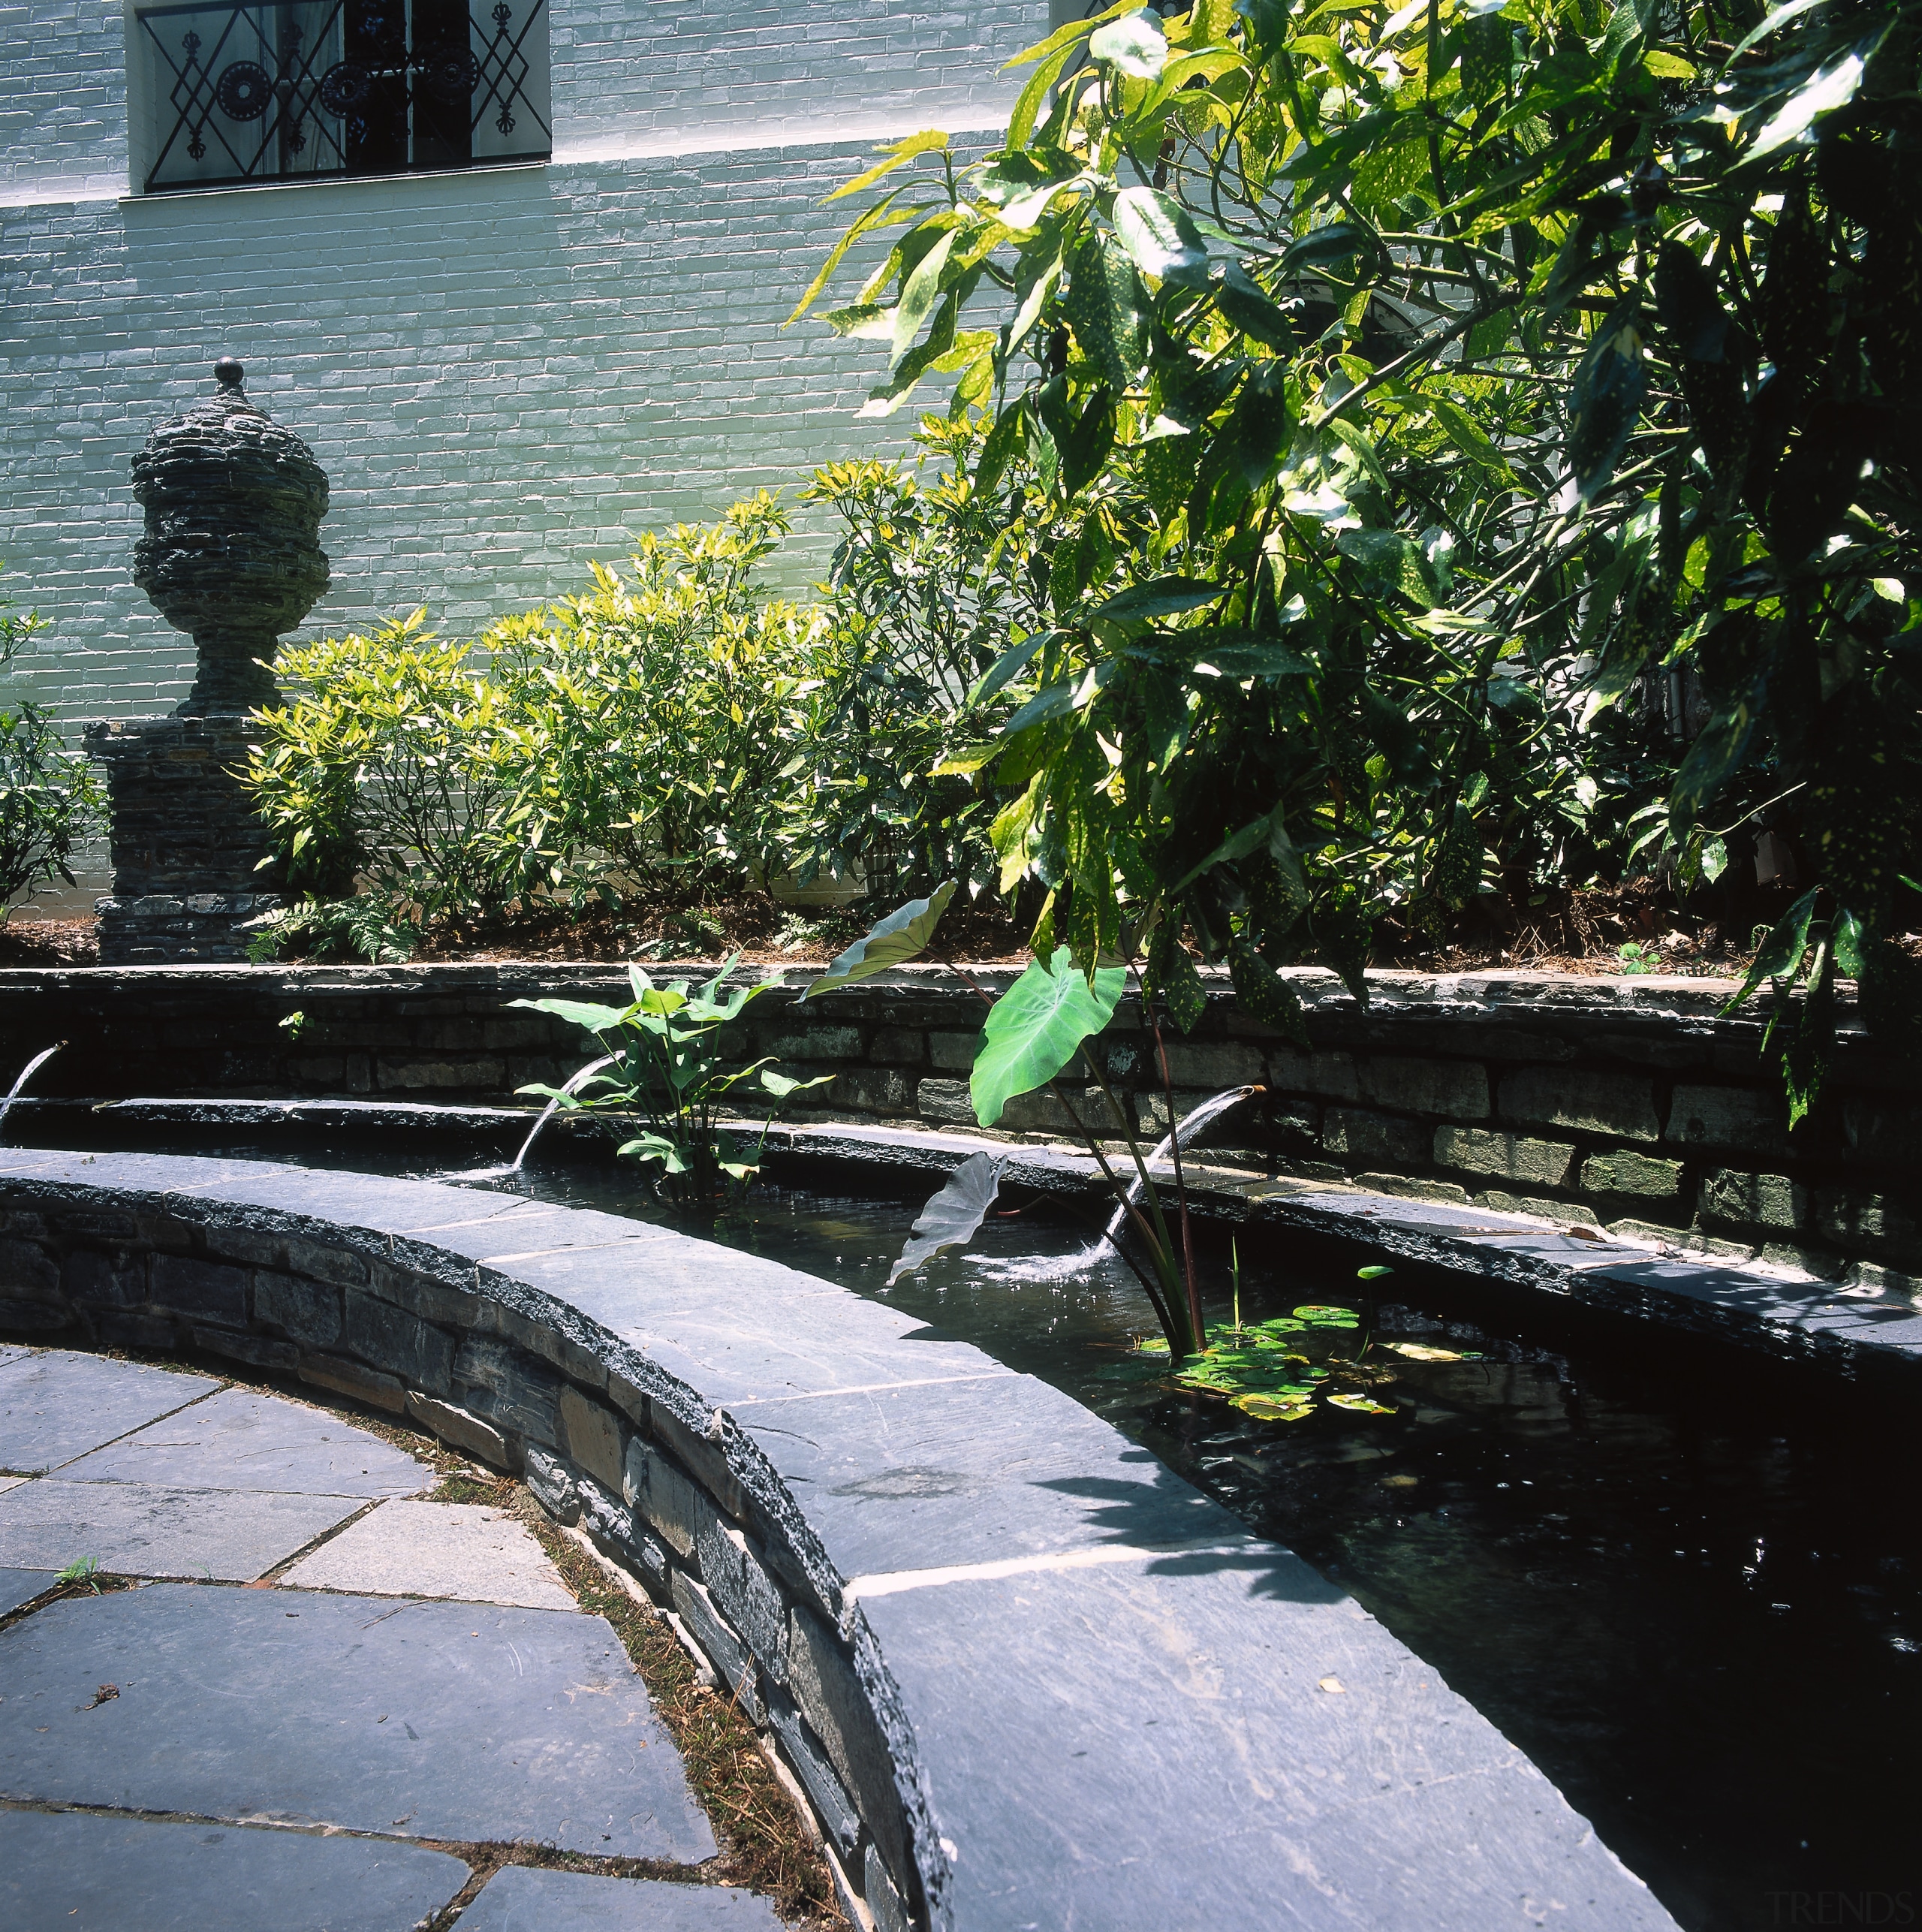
[(309, 88)]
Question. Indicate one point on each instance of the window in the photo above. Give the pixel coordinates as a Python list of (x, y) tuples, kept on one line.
[(225, 93)]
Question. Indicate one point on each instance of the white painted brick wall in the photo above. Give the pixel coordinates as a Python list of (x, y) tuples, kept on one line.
[(504, 373)]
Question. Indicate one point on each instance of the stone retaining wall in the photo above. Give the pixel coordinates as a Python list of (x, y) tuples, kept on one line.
[(995, 1642), (1629, 1100)]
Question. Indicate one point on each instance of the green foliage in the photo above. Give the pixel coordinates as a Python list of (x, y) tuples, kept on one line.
[(1036, 1028), (929, 580), (1422, 383), (674, 1064), (670, 736), (399, 764), (904, 935), (653, 710), (364, 926), (49, 798)]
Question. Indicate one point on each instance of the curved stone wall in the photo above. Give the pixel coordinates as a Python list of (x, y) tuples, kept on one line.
[(1026, 1676)]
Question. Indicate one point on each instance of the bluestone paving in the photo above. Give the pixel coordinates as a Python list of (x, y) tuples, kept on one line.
[(238, 1440), (20, 1586), (58, 1405), (436, 1549), (435, 1720), (149, 1529), (76, 1872), (9, 1356), (523, 1899)]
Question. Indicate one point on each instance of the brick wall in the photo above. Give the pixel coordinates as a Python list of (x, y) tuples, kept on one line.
[(1630, 1102), (505, 373)]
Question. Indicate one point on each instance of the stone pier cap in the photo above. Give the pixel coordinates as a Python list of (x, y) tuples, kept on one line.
[(1026, 1675)]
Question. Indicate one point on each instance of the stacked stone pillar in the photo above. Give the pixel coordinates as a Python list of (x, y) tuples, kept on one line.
[(230, 554)]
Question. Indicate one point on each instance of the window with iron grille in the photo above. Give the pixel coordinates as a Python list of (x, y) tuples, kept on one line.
[(223, 95)]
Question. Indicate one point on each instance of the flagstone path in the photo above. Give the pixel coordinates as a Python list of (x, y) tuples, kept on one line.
[(318, 1670)]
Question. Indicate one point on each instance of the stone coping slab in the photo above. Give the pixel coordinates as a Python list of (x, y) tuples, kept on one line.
[(1779, 1310), (523, 1898), (936, 1582), (422, 1719), (70, 1871)]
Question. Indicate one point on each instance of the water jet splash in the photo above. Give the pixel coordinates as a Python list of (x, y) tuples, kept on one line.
[(514, 1167), (27, 1072), (1050, 1267)]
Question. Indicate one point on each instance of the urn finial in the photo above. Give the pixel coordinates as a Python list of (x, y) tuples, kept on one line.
[(231, 553)]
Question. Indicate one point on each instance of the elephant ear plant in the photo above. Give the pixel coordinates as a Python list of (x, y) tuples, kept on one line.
[(667, 1063), (1034, 1033)]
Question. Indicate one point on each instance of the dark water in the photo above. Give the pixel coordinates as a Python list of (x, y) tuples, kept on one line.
[(1687, 1582)]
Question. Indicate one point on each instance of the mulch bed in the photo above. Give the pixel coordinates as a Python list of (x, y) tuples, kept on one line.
[(1580, 932)]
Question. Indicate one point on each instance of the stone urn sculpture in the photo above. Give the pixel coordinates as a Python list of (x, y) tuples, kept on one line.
[(231, 555), (231, 552)]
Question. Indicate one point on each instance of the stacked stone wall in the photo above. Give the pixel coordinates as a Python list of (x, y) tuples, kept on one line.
[(1636, 1103)]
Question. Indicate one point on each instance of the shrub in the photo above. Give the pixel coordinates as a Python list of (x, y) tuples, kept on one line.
[(930, 583), (50, 797), (398, 763), (653, 712)]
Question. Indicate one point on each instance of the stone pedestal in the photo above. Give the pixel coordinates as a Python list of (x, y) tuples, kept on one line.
[(230, 553), (186, 845)]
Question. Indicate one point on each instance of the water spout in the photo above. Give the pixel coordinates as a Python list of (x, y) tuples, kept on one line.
[(27, 1072), (1054, 1267), (1185, 1132), (514, 1166)]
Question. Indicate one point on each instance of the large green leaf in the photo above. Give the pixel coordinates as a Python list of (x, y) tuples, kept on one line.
[(577, 1013), (1037, 1027), (1106, 308), (1135, 44), (1160, 235), (1607, 398), (953, 1217), (902, 936)]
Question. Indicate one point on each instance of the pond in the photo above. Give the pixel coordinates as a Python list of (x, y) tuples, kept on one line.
[(1687, 1581)]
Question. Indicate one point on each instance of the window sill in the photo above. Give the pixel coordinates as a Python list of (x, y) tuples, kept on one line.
[(131, 200)]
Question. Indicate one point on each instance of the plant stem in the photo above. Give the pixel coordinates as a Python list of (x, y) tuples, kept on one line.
[(1180, 1179)]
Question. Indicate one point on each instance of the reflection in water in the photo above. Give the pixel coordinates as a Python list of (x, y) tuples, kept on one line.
[(1688, 1584)]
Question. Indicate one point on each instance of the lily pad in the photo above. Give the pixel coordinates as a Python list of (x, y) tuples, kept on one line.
[(1420, 1351), (1361, 1404), (1271, 1408), (1322, 1314)]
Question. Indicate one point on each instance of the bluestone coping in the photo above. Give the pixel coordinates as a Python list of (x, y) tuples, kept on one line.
[(522, 1898), (1779, 1309), (1098, 1605), (431, 1720), (74, 1872)]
